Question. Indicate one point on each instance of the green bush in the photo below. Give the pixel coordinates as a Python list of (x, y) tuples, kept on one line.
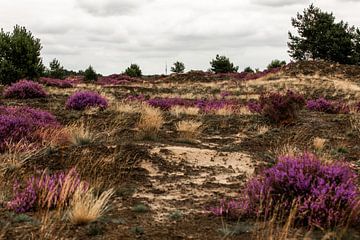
[(178, 67), (90, 75), (249, 70), (133, 71), (276, 64), (19, 56), (56, 70), (222, 64)]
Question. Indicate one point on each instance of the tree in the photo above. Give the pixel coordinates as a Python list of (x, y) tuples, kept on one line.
[(90, 74), (133, 71), (178, 67), (222, 64), (320, 37), (276, 64), (249, 70), (56, 70), (19, 55)]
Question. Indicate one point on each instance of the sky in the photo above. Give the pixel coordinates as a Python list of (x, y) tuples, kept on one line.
[(112, 34)]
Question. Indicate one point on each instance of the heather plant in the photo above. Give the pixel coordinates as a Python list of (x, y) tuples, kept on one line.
[(326, 106), (25, 89), (21, 123), (54, 82), (45, 191), (326, 195), (86, 99), (279, 108)]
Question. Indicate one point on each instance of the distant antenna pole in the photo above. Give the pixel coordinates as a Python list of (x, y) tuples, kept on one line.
[(165, 68)]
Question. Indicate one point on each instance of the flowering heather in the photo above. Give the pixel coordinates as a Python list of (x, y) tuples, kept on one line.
[(45, 191), (326, 194), (20, 123), (245, 76), (167, 103), (116, 79), (326, 106), (278, 108), (139, 97), (25, 89), (56, 82), (86, 99)]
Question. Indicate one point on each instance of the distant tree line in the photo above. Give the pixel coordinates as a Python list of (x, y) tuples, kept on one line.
[(318, 37)]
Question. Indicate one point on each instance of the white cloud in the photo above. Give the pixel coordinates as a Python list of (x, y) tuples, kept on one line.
[(111, 34)]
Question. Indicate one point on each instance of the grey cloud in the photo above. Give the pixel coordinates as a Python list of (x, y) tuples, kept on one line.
[(110, 7), (279, 3)]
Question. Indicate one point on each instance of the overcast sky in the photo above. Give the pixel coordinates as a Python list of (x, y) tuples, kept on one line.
[(111, 34)]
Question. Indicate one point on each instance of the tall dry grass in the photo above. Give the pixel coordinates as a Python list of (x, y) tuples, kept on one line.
[(150, 122), (86, 207), (189, 129)]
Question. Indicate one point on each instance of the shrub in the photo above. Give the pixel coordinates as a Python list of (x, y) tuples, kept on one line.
[(178, 67), (280, 108), (222, 64), (86, 99), (248, 70), (21, 123), (25, 89), (45, 191), (19, 56), (56, 70), (276, 64), (53, 82), (90, 75), (325, 194), (326, 106), (133, 71)]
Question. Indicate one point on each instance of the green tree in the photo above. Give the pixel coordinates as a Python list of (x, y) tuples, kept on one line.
[(276, 64), (90, 74), (19, 55), (249, 70), (56, 70), (222, 64), (178, 67), (133, 71), (320, 37)]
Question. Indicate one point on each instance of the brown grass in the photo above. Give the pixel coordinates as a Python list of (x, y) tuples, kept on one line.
[(79, 134), (189, 129), (87, 207), (181, 110), (319, 143), (150, 122)]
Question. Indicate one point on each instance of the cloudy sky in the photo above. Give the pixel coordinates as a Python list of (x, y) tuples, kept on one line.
[(111, 34)]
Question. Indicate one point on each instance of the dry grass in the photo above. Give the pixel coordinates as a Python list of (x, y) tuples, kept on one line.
[(225, 111), (319, 143), (53, 136), (16, 155), (244, 111), (87, 207), (355, 123), (150, 122), (123, 107), (79, 134), (181, 110), (286, 150), (189, 129), (262, 129)]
